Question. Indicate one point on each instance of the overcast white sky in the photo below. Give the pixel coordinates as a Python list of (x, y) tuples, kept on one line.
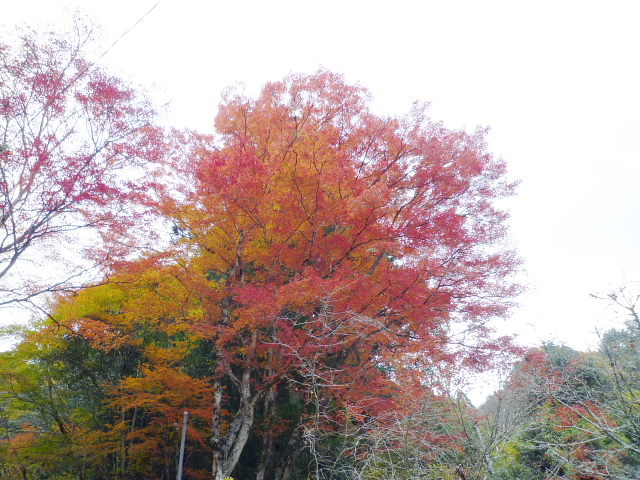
[(557, 81)]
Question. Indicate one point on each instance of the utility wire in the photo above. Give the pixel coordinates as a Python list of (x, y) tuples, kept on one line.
[(86, 69), (92, 64), (120, 37)]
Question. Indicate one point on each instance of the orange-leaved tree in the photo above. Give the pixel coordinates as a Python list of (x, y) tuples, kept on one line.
[(97, 391), (326, 248), (326, 265)]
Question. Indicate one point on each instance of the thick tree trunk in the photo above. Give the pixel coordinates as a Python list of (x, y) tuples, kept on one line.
[(228, 447), (267, 439), (216, 434)]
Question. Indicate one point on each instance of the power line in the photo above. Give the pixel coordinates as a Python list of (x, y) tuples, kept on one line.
[(86, 69), (120, 37)]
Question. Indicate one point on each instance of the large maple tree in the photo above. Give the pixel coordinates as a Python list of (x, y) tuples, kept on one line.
[(327, 247)]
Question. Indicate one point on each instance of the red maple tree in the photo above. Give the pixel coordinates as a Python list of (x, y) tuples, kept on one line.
[(67, 132), (327, 247)]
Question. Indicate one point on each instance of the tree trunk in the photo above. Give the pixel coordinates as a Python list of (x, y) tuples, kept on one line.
[(228, 446), (267, 439), (283, 470), (216, 434)]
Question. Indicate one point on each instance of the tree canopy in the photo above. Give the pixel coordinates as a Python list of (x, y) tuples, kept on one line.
[(328, 272)]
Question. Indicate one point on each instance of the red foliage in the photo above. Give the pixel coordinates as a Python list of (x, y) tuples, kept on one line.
[(68, 131), (323, 242), (318, 250)]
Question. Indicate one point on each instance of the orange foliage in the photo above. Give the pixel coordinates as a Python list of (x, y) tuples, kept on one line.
[(320, 241), (316, 246), (333, 230)]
